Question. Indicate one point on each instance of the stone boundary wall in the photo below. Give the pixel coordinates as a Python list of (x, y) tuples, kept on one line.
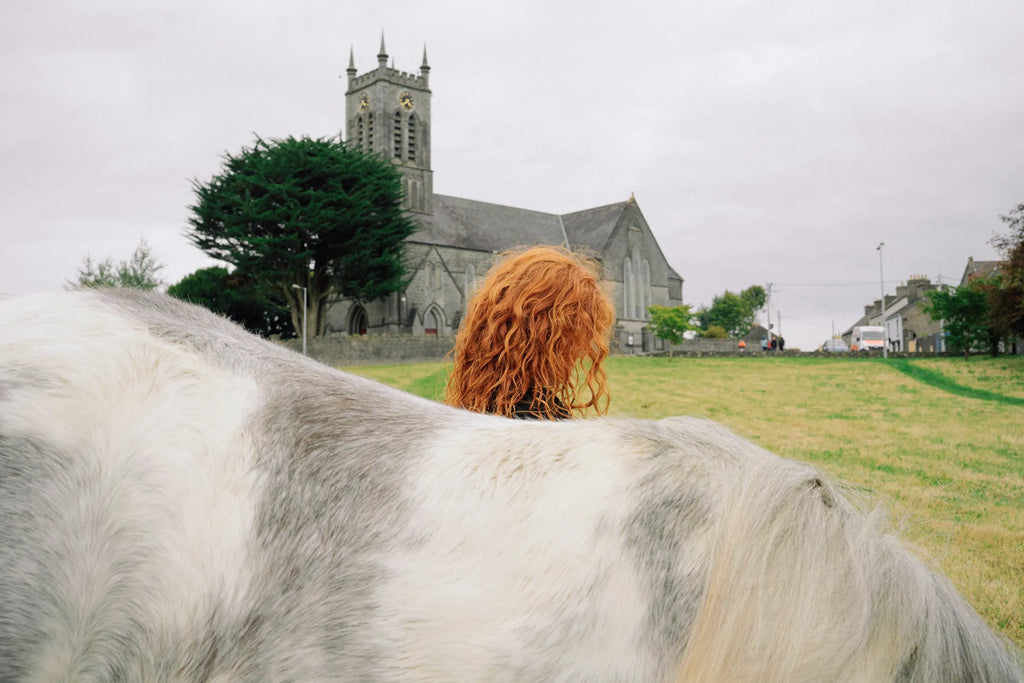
[(374, 349), (383, 349)]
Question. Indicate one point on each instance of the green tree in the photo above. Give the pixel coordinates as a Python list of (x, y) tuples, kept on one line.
[(306, 212), (252, 305), (964, 313), (671, 323), (1015, 236), (1006, 291), (715, 332), (138, 272), (734, 313)]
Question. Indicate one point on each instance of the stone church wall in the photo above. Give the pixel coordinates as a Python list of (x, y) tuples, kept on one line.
[(375, 349)]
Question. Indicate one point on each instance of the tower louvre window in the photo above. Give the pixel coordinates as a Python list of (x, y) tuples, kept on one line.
[(411, 139), (398, 135), (360, 133), (369, 132)]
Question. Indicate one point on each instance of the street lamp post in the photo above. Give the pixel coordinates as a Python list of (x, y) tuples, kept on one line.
[(885, 328), (305, 315)]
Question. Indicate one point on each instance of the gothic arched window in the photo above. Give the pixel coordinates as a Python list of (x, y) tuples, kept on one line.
[(369, 132), (470, 280), (637, 296), (413, 195), (436, 277), (360, 133), (646, 285), (627, 288)]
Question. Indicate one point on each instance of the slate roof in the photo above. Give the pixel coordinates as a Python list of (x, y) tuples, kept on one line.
[(480, 226), (592, 228), (459, 222), (469, 224), (977, 269)]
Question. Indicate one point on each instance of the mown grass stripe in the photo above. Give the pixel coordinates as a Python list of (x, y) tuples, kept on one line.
[(940, 381)]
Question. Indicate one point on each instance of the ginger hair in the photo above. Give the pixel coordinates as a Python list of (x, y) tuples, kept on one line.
[(536, 330)]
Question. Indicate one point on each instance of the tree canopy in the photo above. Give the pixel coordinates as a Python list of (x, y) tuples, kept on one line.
[(731, 312), (671, 323), (1006, 292), (306, 212), (964, 313), (138, 272), (228, 293)]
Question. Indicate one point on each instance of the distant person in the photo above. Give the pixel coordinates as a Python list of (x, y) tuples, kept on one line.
[(782, 344), (743, 346), (534, 339)]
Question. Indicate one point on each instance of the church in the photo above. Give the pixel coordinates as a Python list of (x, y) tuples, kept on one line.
[(388, 112)]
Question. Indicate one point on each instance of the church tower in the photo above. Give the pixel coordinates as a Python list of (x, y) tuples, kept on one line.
[(388, 112)]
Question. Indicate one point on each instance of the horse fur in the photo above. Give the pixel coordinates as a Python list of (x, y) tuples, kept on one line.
[(180, 500)]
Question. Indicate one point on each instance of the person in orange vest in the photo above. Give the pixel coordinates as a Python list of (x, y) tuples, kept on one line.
[(743, 346)]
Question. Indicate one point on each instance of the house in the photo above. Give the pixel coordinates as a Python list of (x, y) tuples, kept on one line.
[(907, 327), (388, 112), (975, 270)]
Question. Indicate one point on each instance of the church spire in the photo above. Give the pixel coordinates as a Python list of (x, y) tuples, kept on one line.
[(382, 56), (351, 65), (425, 68)]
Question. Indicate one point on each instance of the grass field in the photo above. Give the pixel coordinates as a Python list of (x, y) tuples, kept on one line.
[(939, 442)]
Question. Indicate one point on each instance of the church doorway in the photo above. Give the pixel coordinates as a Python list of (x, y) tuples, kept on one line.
[(357, 321), (430, 323)]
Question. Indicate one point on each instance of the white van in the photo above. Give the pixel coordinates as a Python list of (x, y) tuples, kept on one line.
[(867, 338)]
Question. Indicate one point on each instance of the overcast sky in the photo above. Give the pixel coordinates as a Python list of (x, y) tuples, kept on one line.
[(765, 142)]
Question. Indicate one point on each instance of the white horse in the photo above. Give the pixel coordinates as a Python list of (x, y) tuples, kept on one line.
[(180, 500)]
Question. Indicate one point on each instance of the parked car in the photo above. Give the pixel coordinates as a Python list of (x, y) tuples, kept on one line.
[(834, 346)]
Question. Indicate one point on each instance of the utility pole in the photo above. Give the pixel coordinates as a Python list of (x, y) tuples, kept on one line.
[(885, 328), (768, 313)]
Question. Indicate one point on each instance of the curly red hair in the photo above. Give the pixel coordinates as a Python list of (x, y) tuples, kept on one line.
[(536, 334)]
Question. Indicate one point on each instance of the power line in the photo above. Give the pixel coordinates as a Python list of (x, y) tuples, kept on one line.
[(936, 280), (836, 284)]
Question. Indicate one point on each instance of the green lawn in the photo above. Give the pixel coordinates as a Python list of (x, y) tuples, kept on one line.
[(939, 442)]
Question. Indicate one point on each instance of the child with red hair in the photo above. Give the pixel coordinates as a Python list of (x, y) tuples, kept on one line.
[(534, 339)]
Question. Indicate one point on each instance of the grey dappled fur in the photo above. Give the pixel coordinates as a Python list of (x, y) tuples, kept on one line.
[(747, 566)]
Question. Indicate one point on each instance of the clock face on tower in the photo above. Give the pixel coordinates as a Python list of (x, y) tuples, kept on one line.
[(405, 99), (364, 102)]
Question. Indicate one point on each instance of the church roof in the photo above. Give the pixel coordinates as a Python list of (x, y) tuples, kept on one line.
[(457, 222), (592, 228), (480, 226)]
